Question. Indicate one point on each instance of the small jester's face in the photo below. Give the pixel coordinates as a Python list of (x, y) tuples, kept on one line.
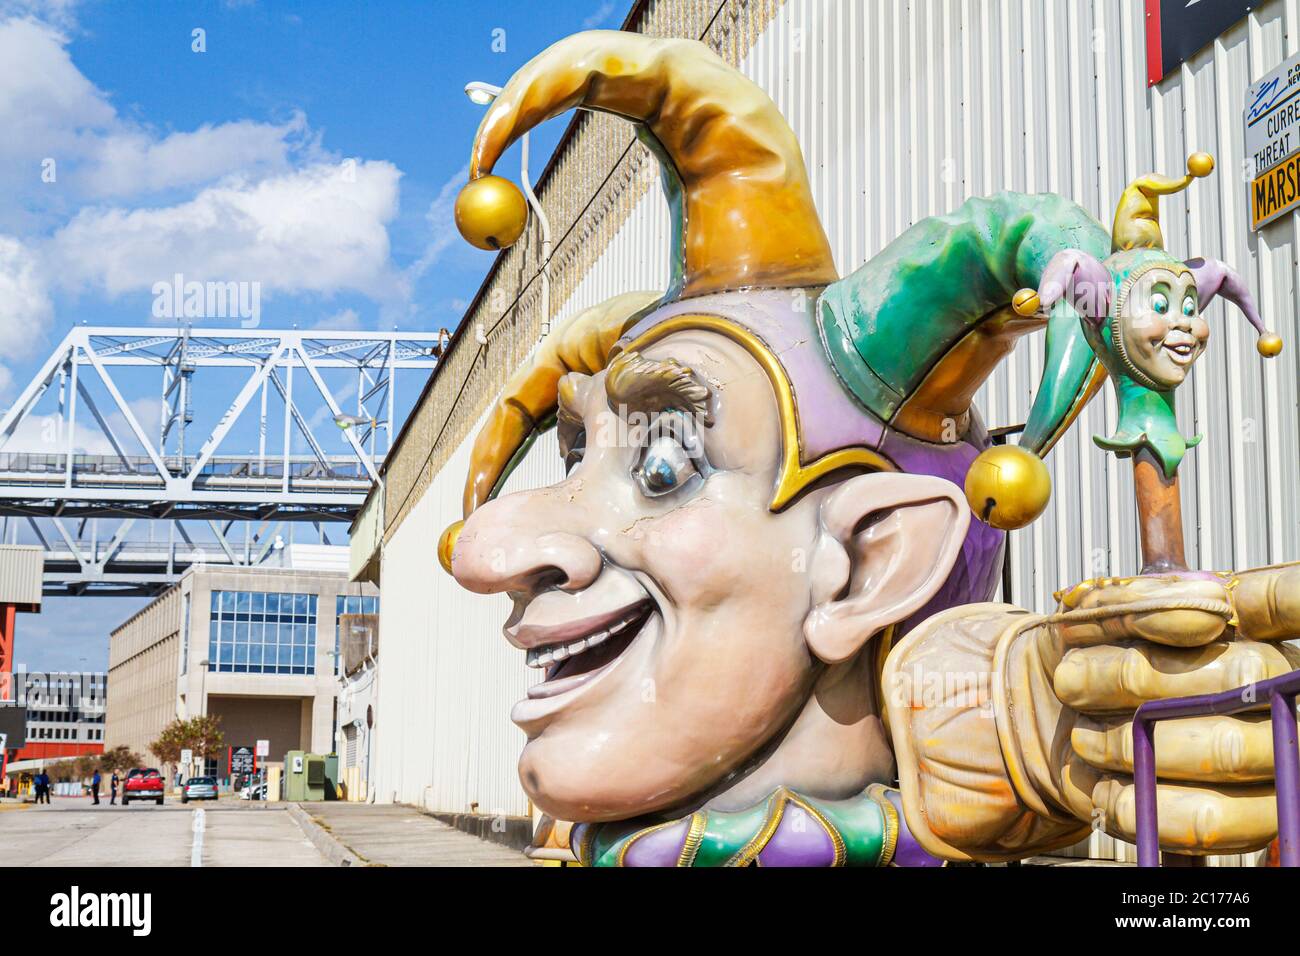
[(1161, 327)]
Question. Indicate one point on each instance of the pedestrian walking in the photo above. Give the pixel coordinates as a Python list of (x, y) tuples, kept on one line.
[(94, 787), (113, 783), (42, 787)]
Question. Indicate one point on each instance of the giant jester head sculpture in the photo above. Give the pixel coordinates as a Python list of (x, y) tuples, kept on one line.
[(763, 462)]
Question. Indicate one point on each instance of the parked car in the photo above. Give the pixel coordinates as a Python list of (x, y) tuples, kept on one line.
[(199, 788), (143, 783), (253, 791)]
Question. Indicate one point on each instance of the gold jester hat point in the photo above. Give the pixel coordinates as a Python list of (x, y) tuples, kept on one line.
[(1137, 218), (742, 208)]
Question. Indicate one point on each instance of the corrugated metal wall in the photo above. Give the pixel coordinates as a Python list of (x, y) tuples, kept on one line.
[(21, 575), (904, 109)]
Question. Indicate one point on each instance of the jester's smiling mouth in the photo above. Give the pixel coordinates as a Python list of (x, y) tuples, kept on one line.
[(1181, 349), (583, 649)]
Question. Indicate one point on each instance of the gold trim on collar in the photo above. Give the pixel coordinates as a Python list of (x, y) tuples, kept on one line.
[(837, 841), (748, 853), (890, 822), (794, 475), (694, 837)]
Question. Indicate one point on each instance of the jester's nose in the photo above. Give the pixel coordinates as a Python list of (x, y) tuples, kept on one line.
[(508, 545)]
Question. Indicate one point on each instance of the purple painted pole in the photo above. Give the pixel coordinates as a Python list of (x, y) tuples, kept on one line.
[(1286, 771), (1144, 781), (1277, 693)]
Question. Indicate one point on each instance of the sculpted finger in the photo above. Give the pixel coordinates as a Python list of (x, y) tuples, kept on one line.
[(1267, 602), (1106, 679), (1217, 749), (1185, 610), (1200, 820)]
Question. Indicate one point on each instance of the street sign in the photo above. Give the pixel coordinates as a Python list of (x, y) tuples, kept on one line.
[(1272, 125), (187, 757), (264, 748), (1275, 193), (242, 760), (1177, 29), (1273, 117)]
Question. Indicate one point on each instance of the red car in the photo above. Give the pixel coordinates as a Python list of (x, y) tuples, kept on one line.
[(143, 783)]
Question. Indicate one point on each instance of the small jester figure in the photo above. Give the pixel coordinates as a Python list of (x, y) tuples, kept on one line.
[(758, 604), (1148, 342)]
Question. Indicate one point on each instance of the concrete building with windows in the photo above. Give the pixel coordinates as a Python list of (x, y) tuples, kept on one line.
[(65, 709), (256, 647), (903, 110)]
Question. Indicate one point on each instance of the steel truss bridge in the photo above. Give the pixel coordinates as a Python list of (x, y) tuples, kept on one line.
[(182, 481)]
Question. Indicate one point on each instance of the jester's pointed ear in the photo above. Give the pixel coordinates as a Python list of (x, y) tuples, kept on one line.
[(1076, 276), (1217, 278)]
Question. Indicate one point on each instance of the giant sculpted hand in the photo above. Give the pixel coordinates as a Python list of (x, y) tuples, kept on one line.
[(1014, 734)]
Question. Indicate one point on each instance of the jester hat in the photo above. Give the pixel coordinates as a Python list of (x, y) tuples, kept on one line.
[(874, 371)]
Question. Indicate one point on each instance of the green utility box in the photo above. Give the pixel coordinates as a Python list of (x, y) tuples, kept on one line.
[(331, 776), (304, 776)]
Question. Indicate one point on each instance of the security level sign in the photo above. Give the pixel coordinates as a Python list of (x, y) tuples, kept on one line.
[(1275, 193), (1272, 121)]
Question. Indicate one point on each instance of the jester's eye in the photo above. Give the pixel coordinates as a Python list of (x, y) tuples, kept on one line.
[(665, 466), (1189, 306), (1160, 302)]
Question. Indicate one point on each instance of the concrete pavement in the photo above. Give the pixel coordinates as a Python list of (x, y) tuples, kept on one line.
[(395, 835), (73, 832)]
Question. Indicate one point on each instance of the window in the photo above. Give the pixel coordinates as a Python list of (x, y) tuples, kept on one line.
[(185, 632), (252, 632), (349, 604)]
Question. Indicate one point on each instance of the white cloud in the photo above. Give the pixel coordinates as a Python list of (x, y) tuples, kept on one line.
[(133, 163), (319, 229), (599, 15), (64, 141), (44, 432), (25, 308), (47, 106), (345, 320), (442, 221)]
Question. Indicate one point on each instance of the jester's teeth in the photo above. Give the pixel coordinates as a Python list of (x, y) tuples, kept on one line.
[(542, 657)]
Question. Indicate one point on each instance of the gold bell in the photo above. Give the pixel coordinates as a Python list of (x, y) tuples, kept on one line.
[(447, 544), (491, 212), (1269, 345), (1026, 303), (1008, 487)]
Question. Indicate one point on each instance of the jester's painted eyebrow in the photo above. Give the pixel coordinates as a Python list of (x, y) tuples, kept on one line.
[(634, 383)]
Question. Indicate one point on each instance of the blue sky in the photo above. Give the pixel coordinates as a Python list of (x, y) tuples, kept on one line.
[(225, 164)]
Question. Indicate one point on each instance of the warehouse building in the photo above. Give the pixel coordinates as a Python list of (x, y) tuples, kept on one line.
[(255, 647), (903, 110)]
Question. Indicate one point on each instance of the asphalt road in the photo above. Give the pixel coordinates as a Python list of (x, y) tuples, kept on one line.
[(72, 832)]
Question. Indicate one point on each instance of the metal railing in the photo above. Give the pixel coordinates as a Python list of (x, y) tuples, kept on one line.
[(1278, 694), (20, 467)]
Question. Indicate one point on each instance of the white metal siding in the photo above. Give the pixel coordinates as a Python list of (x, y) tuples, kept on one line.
[(22, 569), (905, 109)]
